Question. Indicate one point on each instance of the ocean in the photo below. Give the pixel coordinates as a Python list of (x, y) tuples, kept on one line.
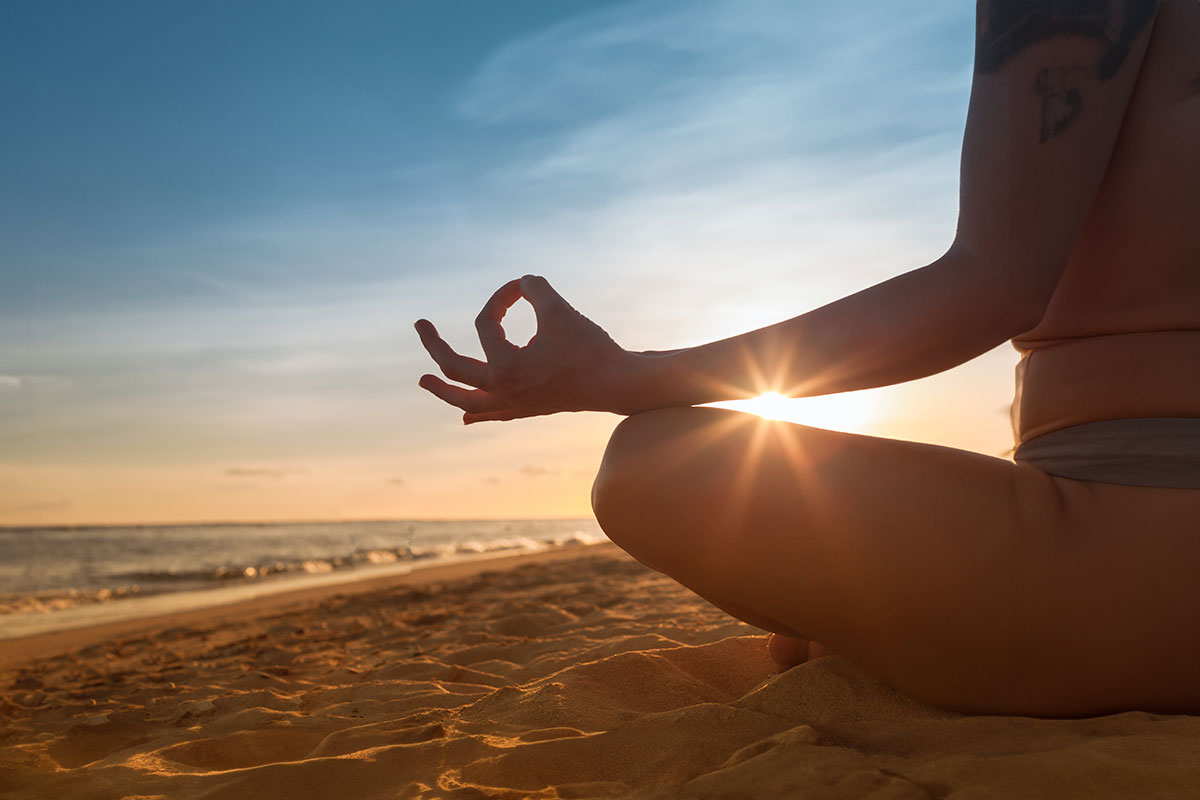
[(63, 577)]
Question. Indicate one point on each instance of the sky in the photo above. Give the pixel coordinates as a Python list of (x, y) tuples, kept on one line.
[(220, 218)]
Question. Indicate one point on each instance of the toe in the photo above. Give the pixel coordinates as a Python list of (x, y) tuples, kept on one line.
[(787, 651)]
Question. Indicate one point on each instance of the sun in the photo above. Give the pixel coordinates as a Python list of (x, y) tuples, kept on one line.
[(849, 411)]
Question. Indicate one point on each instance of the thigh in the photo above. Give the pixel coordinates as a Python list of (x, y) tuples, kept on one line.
[(923, 564)]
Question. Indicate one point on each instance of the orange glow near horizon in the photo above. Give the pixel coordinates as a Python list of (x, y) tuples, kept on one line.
[(431, 467)]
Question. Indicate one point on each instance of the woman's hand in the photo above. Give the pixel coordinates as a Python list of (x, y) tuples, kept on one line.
[(570, 364)]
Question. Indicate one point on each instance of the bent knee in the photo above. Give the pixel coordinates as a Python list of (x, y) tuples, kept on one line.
[(641, 490), (638, 446), (615, 477)]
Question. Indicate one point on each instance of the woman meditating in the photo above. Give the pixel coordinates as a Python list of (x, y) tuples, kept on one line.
[(1066, 583)]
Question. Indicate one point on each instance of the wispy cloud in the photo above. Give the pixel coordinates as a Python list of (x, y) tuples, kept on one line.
[(695, 92), (263, 472), (29, 383), (533, 471), (47, 506)]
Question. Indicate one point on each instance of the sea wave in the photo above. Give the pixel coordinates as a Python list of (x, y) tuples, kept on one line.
[(139, 583), (57, 600)]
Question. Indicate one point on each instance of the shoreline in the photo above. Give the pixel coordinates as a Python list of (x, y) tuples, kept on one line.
[(225, 605), (113, 576), (266, 523)]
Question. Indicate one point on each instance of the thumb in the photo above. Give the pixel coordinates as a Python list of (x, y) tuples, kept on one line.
[(541, 295)]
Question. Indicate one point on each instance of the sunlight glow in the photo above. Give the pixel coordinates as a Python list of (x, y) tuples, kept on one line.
[(851, 411)]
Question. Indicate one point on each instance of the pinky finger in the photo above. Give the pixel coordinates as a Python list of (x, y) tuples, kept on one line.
[(500, 416), (469, 400)]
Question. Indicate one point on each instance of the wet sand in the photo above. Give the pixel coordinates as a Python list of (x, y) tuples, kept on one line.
[(574, 673)]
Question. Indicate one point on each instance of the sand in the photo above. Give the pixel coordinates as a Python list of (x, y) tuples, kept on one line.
[(577, 674)]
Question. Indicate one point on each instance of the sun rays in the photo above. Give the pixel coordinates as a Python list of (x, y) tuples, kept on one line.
[(850, 411)]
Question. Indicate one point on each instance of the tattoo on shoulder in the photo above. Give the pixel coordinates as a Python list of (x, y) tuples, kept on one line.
[(1007, 27)]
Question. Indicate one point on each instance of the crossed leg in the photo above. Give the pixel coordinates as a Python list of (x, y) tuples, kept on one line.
[(968, 581)]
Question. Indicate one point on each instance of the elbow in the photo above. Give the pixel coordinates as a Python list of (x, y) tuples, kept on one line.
[(1019, 288), (1024, 315), (1030, 297)]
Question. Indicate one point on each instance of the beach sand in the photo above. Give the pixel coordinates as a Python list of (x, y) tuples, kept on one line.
[(562, 674)]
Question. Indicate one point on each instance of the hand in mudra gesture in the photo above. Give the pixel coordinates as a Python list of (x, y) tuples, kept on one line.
[(570, 364)]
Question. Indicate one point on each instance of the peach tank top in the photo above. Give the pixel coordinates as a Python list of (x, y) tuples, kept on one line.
[(1116, 376)]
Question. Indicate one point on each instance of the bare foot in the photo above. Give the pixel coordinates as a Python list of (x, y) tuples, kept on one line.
[(788, 652)]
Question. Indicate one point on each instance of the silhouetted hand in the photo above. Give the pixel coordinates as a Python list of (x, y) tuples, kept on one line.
[(570, 364)]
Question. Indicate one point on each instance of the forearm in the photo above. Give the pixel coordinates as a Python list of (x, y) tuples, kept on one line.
[(914, 325)]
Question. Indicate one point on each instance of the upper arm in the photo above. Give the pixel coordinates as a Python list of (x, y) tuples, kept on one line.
[(1052, 81)]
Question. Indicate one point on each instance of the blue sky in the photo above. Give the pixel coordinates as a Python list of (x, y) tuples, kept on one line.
[(219, 220), (149, 125)]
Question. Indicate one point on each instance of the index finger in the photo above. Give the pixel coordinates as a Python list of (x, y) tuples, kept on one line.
[(542, 296), (488, 323)]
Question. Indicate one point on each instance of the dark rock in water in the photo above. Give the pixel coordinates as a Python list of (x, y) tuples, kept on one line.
[(29, 699)]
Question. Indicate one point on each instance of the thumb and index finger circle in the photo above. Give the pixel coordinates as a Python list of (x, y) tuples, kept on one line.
[(489, 324), (541, 295)]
